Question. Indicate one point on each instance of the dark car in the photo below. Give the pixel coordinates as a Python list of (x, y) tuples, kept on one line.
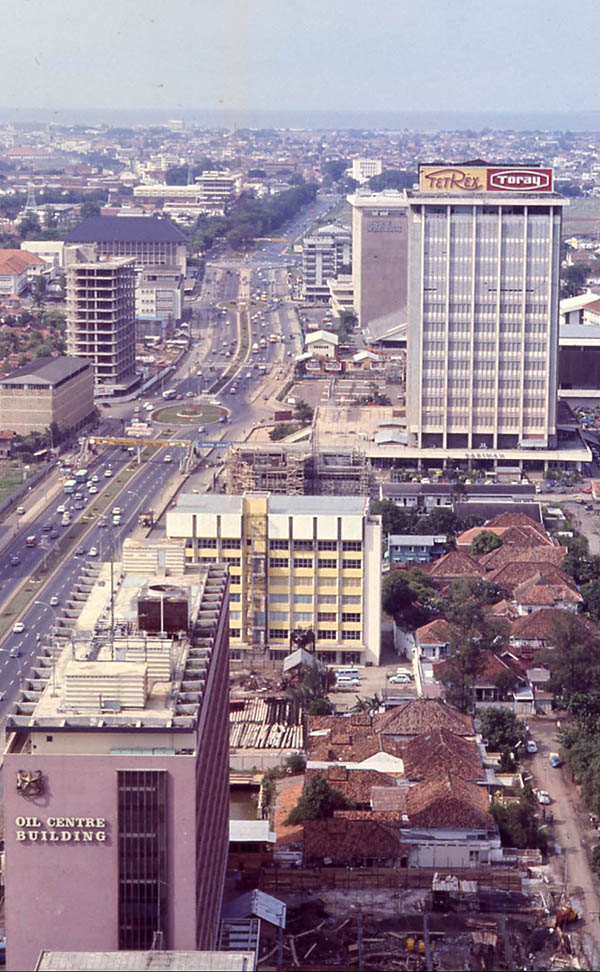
[(80, 552), (14, 561), (53, 534), (46, 527)]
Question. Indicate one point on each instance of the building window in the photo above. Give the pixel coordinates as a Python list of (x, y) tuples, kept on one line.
[(232, 561), (207, 542), (278, 544), (328, 562), (351, 616), (277, 598), (278, 633), (327, 545), (236, 596), (231, 544), (350, 635), (303, 598), (323, 634), (351, 563), (143, 882), (351, 545), (351, 599), (303, 562), (278, 615), (234, 632), (278, 562), (303, 545), (327, 598), (304, 616), (326, 616), (328, 581)]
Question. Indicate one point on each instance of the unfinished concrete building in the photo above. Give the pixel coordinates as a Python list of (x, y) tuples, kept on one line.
[(292, 469)]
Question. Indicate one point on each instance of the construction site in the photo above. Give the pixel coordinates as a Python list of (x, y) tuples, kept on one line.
[(297, 469), (482, 922)]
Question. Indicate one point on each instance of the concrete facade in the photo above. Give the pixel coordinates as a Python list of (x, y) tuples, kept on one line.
[(380, 255), (309, 562), (101, 320), (116, 819), (48, 390), (324, 255), (483, 319)]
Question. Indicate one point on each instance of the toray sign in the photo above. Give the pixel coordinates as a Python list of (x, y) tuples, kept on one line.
[(479, 178), (519, 180)]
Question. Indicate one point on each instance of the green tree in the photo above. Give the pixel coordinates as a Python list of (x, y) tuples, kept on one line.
[(591, 594), (394, 520), (90, 208), (281, 430), (39, 290), (318, 800), (518, 822), (574, 660), (573, 279), (485, 542), (397, 593), (501, 727), (303, 412)]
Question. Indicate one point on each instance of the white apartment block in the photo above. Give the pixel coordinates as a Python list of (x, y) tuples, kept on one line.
[(483, 308), (159, 294), (325, 254), (365, 169), (311, 562), (101, 320)]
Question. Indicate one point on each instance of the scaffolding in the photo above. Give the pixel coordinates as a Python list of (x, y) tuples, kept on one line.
[(276, 469), (255, 556)]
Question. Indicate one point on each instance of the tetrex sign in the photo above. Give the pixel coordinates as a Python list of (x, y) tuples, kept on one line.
[(456, 178)]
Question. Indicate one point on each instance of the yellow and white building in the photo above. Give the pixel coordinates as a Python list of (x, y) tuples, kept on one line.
[(311, 562)]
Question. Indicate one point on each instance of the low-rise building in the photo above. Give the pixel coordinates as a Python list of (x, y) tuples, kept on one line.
[(47, 391), (309, 562), (408, 548), (17, 270)]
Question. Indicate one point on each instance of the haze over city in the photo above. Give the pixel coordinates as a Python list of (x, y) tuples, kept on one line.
[(264, 59)]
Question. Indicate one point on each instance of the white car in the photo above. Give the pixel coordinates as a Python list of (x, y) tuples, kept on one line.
[(95, 478), (92, 552), (116, 511), (543, 797), (60, 509), (531, 746), (108, 473), (168, 458), (400, 678), (92, 489), (18, 627)]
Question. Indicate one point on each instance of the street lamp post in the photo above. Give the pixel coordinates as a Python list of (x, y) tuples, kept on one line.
[(53, 645)]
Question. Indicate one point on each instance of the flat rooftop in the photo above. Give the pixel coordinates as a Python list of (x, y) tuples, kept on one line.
[(109, 674)]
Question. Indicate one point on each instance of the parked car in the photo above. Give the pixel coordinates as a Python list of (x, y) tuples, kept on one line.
[(531, 746), (554, 760), (543, 797), (399, 679)]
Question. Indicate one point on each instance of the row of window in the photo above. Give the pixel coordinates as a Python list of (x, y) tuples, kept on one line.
[(322, 562), (308, 598), (323, 634), (309, 545)]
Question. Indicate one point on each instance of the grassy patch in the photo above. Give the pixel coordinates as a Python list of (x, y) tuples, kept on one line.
[(11, 477), (188, 414)]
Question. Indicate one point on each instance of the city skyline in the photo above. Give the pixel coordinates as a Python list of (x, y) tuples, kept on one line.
[(462, 59)]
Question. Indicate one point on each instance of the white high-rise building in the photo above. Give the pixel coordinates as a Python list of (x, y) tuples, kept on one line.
[(484, 263)]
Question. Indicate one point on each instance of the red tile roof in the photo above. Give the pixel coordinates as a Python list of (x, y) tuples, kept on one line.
[(289, 791), (449, 803), (537, 591), (16, 261), (542, 625), (514, 575), (438, 632), (541, 553), (356, 784), (517, 519), (456, 563), (441, 751), (421, 716), (347, 838)]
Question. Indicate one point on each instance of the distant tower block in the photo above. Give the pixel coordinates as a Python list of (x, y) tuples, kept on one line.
[(30, 203)]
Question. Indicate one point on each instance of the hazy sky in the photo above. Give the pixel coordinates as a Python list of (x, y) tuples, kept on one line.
[(468, 55)]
